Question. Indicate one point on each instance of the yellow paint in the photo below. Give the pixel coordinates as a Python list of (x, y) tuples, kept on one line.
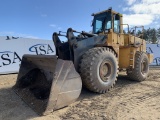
[(150, 57), (125, 45)]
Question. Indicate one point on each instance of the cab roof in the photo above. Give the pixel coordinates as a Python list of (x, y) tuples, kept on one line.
[(108, 10)]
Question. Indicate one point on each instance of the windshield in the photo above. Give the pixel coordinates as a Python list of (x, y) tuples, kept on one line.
[(99, 22)]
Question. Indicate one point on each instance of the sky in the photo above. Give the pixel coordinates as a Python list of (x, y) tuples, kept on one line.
[(40, 18)]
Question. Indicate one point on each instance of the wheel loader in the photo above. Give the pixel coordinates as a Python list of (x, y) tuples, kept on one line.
[(48, 83)]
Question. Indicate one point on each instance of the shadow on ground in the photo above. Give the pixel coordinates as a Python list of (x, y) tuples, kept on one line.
[(121, 82), (12, 108)]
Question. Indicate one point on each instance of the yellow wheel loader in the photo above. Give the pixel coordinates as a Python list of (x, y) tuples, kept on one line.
[(48, 83)]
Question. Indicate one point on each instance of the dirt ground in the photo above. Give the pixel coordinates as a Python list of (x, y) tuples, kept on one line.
[(128, 100)]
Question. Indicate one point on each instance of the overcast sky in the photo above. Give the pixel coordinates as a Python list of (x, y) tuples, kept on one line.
[(40, 18)]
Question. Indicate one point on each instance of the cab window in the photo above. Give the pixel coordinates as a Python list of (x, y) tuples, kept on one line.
[(117, 23)]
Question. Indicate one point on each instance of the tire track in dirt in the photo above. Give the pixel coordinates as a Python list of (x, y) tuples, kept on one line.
[(128, 100)]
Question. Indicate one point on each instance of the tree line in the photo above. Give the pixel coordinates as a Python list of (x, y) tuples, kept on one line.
[(151, 35)]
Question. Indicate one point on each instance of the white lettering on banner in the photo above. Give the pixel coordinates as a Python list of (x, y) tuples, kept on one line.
[(41, 49)]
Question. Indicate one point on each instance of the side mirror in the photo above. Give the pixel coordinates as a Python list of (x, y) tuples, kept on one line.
[(91, 23), (117, 17)]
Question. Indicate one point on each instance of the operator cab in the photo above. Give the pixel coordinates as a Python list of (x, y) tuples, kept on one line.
[(106, 20)]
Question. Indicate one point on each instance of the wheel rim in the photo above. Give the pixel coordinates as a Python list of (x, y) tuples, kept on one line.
[(144, 67), (105, 70)]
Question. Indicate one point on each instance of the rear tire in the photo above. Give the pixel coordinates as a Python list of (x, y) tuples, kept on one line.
[(99, 69), (141, 67)]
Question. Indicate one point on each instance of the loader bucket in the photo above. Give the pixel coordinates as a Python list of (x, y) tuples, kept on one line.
[(46, 83)]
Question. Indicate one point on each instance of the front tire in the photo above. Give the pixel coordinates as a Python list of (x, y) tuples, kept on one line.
[(141, 67), (99, 69)]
